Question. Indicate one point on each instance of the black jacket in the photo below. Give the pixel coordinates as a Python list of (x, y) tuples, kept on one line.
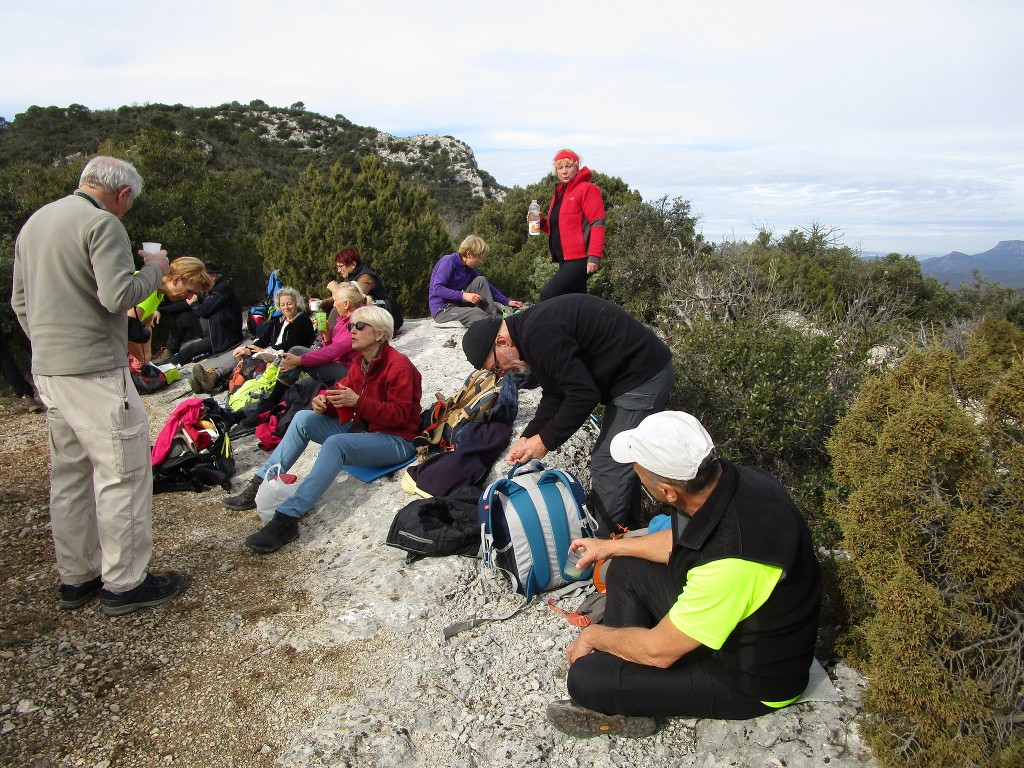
[(750, 516), (299, 333), (584, 351), (220, 315)]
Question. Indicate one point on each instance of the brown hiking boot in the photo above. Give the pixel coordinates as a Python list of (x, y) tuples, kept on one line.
[(163, 357), (203, 379)]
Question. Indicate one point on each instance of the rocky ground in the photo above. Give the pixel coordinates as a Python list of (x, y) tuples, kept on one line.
[(327, 653)]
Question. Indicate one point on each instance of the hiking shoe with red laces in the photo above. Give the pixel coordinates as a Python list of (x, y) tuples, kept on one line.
[(569, 717)]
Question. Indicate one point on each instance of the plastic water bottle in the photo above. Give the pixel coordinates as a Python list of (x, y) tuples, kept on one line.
[(533, 218)]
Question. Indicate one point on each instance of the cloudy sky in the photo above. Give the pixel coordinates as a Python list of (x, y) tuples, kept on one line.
[(899, 123)]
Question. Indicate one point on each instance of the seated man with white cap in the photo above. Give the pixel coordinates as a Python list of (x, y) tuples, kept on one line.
[(716, 617)]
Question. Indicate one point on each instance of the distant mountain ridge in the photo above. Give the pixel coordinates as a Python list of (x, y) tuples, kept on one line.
[(1003, 264)]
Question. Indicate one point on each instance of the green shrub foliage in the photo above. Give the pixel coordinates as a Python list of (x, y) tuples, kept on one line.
[(390, 222), (928, 462)]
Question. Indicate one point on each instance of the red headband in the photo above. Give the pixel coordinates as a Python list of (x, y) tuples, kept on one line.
[(567, 154)]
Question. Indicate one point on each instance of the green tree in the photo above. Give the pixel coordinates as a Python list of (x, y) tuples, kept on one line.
[(770, 394), (929, 468), (390, 222), (647, 249)]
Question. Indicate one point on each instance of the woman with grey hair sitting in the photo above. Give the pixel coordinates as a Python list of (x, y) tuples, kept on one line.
[(368, 419), (291, 328)]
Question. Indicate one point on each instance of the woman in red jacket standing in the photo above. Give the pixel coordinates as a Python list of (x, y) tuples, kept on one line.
[(575, 227)]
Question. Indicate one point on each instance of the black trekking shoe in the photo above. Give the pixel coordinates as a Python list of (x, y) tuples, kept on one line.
[(271, 537), (76, 595), (569, 717), (246, 498), (152, 591)]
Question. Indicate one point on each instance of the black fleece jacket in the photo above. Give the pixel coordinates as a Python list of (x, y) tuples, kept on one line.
[(584, 351)]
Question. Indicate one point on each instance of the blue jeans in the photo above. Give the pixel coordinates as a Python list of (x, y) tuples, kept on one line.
[(338, 447)]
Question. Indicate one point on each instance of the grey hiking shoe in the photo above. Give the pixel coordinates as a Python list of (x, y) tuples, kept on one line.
[(271, 537), (246, 498), (569, 717), (152, 591)]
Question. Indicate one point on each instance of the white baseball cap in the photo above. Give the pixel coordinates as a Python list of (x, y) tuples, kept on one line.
[(671, 444)]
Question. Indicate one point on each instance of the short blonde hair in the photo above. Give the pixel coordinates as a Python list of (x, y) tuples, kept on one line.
[(474, 245), (351, 292), (192, 270), (378, 317), (565, 157)]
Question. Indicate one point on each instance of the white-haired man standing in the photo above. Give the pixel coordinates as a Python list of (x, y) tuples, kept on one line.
[(74, 281), (714, 618)]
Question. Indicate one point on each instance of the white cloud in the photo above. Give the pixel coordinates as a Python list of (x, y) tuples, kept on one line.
[(900, 123)]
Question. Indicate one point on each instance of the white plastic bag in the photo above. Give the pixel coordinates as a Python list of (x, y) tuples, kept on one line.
[(275, 488)]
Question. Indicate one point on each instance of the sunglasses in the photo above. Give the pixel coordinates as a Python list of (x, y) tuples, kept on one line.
[(358, 326), (496, 369)]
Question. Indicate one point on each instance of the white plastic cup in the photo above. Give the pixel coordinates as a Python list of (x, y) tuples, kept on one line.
[(572, 569), (151, 247)]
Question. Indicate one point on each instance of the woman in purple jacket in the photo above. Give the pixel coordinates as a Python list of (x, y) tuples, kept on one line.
[(458, 292)]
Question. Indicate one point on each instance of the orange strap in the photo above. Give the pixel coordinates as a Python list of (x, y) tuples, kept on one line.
[(576, 619)]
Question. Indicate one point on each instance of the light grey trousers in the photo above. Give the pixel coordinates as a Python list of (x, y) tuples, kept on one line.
[(467, 314), (101, 477)]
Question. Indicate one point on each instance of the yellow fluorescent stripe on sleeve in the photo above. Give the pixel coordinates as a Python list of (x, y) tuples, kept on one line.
[(719, 595)]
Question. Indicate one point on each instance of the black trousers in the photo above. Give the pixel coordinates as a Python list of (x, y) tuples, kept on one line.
[(640, 593), (571, 277), (185, 324), (11, 370)]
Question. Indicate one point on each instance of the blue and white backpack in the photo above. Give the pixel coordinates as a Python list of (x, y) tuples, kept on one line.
[(528, 519)]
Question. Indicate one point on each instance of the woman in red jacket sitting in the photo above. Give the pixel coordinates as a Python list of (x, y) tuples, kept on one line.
[(575, 227), (368, 419)]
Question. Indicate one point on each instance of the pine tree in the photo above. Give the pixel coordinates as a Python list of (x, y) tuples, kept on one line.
[(374, 210)]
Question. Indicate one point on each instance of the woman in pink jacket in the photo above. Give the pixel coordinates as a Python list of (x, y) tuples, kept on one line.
[(331, 362), (575, 227)]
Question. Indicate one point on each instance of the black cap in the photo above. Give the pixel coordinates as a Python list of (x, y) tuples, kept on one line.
[(478, 341), (211, 267)]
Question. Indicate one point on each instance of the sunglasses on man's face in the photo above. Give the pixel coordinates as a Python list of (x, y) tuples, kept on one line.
[(358, 326)]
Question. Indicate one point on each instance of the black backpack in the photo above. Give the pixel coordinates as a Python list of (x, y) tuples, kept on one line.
[(149, 380), (446, 525), (186, 469)]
